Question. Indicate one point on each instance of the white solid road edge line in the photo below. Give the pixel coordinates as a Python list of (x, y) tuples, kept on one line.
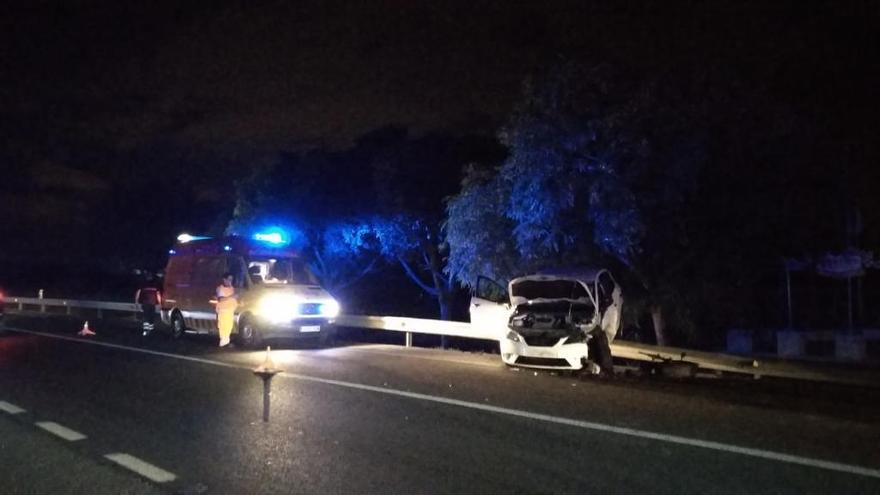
[(10, 408), (60, 431), (587, 425), (143, 468)]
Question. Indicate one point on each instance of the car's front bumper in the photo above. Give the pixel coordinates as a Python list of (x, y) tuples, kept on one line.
[(559, 357), (298, 328)]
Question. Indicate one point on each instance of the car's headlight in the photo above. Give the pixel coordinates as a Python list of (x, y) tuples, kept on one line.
[(513, 336), (278, 307), (330, 309)]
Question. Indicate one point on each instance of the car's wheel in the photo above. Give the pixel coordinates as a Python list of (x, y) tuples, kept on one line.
[(178, 325), (248, 334)]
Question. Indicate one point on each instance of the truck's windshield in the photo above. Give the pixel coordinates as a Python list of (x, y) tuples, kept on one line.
[(280, 271)]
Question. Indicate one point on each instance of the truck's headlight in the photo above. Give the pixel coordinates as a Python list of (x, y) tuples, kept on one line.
[(330, 309), (515, 337), (277, 308)]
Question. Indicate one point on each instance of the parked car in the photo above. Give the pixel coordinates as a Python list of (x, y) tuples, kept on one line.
[(554, 319)]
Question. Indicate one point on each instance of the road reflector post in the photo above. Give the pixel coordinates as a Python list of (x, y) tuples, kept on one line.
[(266, 371), (409, 339)]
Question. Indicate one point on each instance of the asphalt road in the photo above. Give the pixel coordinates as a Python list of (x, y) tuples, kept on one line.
[(386, 419)]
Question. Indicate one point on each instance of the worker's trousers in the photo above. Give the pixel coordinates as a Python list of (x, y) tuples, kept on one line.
[(225, 321)]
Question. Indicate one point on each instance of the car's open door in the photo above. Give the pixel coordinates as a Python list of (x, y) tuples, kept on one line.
[(490, 309)]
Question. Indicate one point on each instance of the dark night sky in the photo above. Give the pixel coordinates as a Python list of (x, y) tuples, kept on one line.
[(99, 95)]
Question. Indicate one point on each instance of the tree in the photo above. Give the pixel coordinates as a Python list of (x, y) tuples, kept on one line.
[(412, 177), (297, 192), (599, 170), (362, 209)]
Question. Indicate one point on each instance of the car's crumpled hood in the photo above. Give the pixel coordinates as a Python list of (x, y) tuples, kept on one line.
[(516, 300)]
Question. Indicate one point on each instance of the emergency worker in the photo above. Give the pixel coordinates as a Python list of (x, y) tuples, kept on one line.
[(148, 296), (227, 301)]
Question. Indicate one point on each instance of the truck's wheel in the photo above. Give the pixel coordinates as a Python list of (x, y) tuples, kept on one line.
[(178, 325), (248, 334), (328, 337)]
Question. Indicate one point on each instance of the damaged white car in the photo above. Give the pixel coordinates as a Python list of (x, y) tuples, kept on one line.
[(555, 319)]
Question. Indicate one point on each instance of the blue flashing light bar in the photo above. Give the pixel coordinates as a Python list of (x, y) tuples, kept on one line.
[(172, 252), (274, 236), (227, 248)]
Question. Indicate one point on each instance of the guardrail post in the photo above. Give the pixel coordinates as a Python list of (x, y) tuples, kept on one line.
[(42, 306), (67, 306), (409, 339), (100, 313)]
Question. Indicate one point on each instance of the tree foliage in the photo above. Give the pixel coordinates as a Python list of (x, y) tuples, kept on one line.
[(599, 171), (388, 212)]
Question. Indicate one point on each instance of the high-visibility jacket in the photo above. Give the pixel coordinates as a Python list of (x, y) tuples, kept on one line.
[(228, 303)]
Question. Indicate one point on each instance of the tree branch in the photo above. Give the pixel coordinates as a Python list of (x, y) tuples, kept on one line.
[(361, 275), (319, 259), (415, 278)]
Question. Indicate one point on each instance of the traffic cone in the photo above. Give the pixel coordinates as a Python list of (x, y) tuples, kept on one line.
[(85, 332)]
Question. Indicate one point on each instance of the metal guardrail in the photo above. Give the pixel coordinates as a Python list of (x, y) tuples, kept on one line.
[(72, 303), (619, 349), (410, 326)]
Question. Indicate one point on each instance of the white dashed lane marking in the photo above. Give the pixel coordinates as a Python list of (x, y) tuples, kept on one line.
[(143, 468), (10, 408), (61, 431)]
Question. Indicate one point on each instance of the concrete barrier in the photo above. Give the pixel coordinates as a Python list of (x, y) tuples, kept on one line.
[(850, 346), (740, 342), (859, 346), (790, 344)]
